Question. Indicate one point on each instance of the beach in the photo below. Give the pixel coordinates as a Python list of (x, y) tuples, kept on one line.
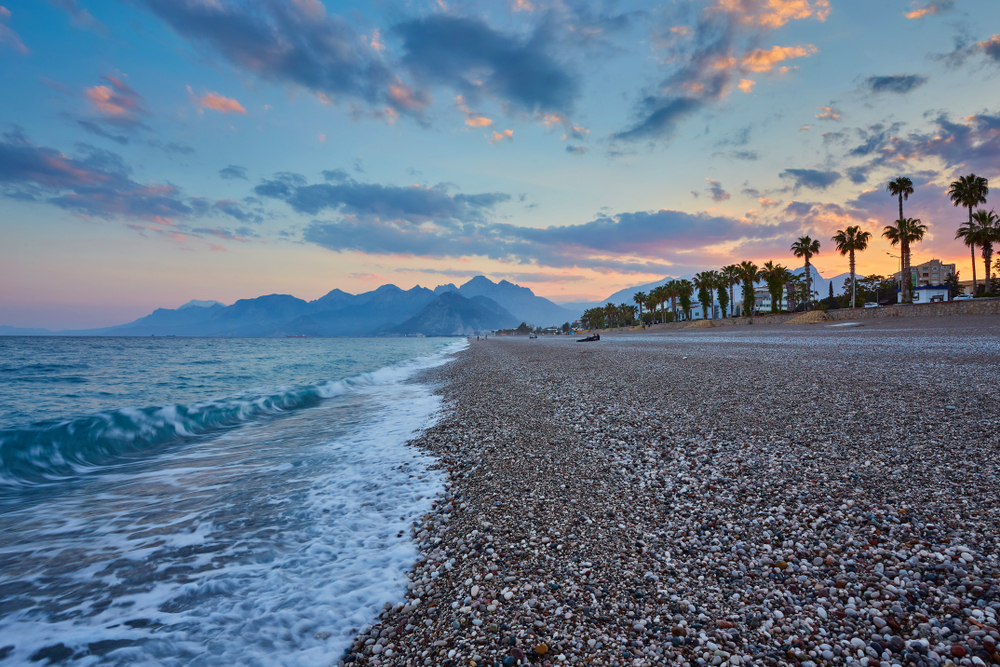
[(798, 495)]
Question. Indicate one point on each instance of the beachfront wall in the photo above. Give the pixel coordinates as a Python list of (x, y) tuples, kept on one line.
[(971, 307)]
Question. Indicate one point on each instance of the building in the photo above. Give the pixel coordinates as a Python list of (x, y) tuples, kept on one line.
[(932, 272), (929, 294)]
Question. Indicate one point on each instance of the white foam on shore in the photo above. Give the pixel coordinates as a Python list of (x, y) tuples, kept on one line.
[(265, 546)]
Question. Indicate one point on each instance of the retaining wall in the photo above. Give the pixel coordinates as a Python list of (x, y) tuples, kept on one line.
[(988, 306)]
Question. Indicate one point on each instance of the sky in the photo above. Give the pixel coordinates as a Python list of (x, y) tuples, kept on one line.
[(158, 151)]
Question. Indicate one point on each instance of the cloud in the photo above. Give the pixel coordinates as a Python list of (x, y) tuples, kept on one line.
[(965, 49), (829, 113), (920, 10), (972, 143), (500, 136), (233, 172), (472, 118), (7, 34), (217, 102), (898, 83), (116, 102), (773, 13), (470, 57), (991, 48), (634, 242), (94, 183), (290, 43), (80, 17), (720, 53), (335, 175), (764, 60), (363, 202), (94, 128), (718, 193), (576, 150), (811, 178)]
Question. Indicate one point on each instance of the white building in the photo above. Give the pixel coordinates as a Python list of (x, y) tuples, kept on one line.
[(928, 294)]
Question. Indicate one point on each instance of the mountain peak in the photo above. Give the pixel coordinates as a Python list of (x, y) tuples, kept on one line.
[(195, 303), (478, 281)]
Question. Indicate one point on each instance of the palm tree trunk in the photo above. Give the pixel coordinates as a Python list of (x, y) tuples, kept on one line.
[(904, 278), (854, 287), (809, 294), (974, 284), (987, 255), (973, 269), (900, 205)]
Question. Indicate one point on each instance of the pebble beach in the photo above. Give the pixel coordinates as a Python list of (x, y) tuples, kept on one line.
[(801, 495)]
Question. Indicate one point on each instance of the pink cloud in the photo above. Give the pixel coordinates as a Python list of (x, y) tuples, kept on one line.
[(217, 102), (115, 99)]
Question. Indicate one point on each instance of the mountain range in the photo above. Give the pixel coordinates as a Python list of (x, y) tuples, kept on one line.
[(478, 305)]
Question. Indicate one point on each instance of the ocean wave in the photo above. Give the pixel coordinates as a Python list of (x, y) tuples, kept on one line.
[(58, 450)]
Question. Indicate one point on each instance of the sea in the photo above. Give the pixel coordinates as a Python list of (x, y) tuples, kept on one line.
[(207, 501)]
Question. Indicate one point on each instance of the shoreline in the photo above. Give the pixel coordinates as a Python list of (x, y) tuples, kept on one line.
[(602, 508)]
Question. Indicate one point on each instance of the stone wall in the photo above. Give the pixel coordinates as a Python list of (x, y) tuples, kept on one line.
[(989, 306)]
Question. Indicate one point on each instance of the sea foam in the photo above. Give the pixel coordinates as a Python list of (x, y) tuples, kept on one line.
[(263, 544)]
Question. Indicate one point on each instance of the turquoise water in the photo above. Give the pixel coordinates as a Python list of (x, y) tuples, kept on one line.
[(207, 501)]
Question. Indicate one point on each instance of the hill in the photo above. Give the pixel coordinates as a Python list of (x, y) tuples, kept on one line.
[(451, 314)]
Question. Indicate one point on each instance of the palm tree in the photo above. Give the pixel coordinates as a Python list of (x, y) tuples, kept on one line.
[(969, 191), (723, 296), (905, 232), (806, 248), (660, 293), (651, 303), (704, 282), (749, 274), (673, 290), (987, 232), (640, 299), (848, 242), (610, 311), (901, 187), (775, 275), (731, 276), (684, 291), (795, 288), (714, 280)]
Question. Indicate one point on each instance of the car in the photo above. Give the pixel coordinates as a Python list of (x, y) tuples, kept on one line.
[(871, 304), (963, 297)]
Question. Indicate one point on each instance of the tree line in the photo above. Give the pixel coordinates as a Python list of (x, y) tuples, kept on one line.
[(708, 287)]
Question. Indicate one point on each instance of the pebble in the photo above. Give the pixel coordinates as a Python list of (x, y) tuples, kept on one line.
[(809, 516)]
